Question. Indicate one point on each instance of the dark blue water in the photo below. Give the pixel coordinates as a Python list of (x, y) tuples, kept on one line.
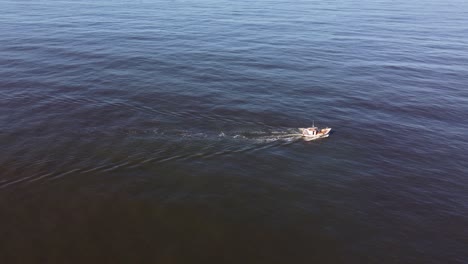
[(163, 131)]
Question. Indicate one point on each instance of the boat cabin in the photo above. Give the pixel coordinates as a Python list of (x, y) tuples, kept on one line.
[(311, 131)]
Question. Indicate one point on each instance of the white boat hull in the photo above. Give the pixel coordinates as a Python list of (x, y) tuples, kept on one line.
[(322, 134)]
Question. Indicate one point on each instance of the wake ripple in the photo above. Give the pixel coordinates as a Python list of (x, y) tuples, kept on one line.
[(216, 145)]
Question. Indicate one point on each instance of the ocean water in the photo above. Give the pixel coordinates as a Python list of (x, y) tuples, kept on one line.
[(165, 131)]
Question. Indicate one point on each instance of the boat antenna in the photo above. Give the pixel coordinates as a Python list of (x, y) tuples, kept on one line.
[(313, 123)]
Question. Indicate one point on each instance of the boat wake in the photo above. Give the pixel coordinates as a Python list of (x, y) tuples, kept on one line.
[(144, 149), (286, 135)]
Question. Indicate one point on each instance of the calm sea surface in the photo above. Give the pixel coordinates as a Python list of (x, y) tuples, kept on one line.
[(164, 131)]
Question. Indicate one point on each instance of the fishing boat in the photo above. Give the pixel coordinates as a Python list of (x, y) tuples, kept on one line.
[(313, 132)]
